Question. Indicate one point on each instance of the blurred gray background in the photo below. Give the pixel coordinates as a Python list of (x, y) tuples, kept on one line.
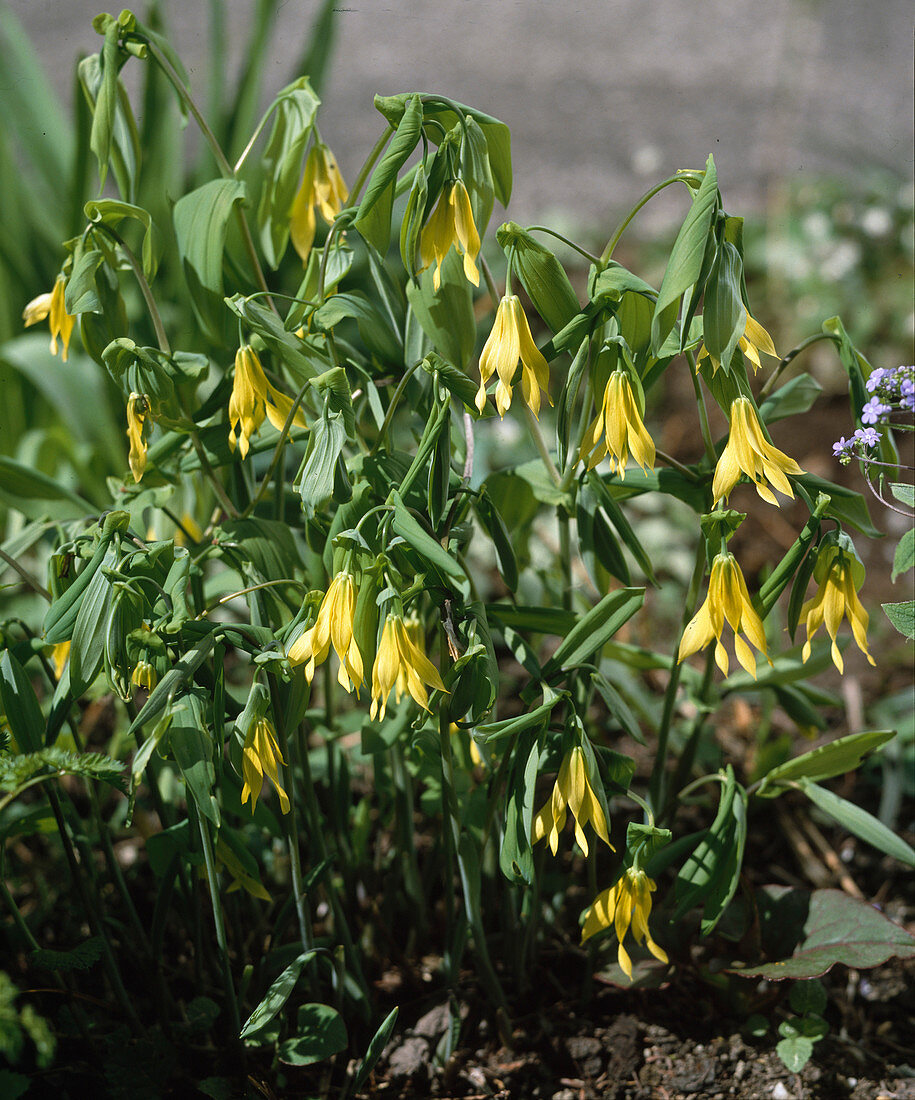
[(603, 97)]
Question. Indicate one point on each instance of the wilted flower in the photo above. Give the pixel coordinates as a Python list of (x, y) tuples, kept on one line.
[(322, 187), (451, 223), (755, 339), (836, 597), (509, 341), (620, 424), (727, 599), (61, 322), (137, 431), (253, 398), (749, 452), (259, 757), (625, 904), (333, 626), (401, 664), (573, 789)]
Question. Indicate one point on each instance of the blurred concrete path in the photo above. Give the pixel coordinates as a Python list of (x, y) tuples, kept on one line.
[(603, 97)]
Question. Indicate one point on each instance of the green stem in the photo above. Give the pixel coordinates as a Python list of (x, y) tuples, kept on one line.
[(142, 283), (802, 346), (658, 782), (219, 921), (392, 404), (688, 755), (377, 150), (29, 580), (620, 229), (703, 413), (277, 451), (540, 443), (565, 240)]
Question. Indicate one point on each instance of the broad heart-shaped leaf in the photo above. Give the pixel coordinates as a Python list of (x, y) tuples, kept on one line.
[(902, 616), (687, 254), (821, 929), (321, 1033), (276, 996), (836, 758), (446, 315), (858, 821), (201, 221)]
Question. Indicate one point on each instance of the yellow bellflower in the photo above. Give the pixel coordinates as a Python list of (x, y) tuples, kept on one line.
[(618, 429), (755, 339), (836, 597), (451, 223), (137, 432), (571, 789), (402, 665), (727, 599), (749, 452), (259, 757), (509, 341), (144, 676), (254, 398), (61, 322), (333, 626), (322, 187), (625, 905)]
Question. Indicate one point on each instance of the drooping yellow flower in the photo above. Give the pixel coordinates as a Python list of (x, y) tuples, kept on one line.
[(836, 597), (573, 789), (625, 904), (254, 398), (61, 322), (402, 665), (144, 676), (727, 599), (749, 452), (451, 223), (227, 860), (137, 432), (333, 626), (755, 339), (259, 757), (509, 341), (322, 187), (60, 654), (618, 429)]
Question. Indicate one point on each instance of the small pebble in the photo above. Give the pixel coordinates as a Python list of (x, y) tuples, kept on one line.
[(780, 1092)]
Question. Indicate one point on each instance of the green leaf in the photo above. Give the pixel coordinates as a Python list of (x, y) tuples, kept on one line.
[(846, 505), (321, 1034), (618, 518), (794, 1052), (88, 641), (446, 315), (430, 550), (36, 495), (201, 221), (276, 996), (516, 858), (111, 212), (904, 493), (821, 929), (724, 315), (792, 399), (81, 957), (15, 771), (20, 704), (296, 107), (191, 745), (839, 757), (379, 337), (495, 528), (594, 629), (373, 219), (375, 1049), (858, 821), (178, 676), (902, 616), (508, 727), (315, 480), (541, 275), (686, 258), (808, 997), (904, 558)]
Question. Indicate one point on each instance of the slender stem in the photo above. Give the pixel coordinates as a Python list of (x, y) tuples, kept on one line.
[(669, 460), (218, 920), (29, 580), (688, 755), (392, 404), (715, 777), (540, 443), (565, 556), (703, 412), (565, 240), (210, 473), (251, 588), (802, 346), (377, 150), (277, 451), (620, 229), (658, 782), (142, 283)]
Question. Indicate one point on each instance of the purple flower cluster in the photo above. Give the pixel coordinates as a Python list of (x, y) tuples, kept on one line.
[(893, 390)]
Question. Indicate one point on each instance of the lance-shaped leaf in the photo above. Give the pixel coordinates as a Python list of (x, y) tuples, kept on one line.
[(432, 553), (277, 995), (594, 629), (88, 645), (839, 757), (446, 315), (373, 219), (315, 479), (516, 857), (110, 212), (858, 821), (686, 258), (265, 323), (191, 744), (541, 275), (20, 704), (380, 338), (477, 174), (296, 107), (177, 677), (792, 399), (201, 222), (724, 315)]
